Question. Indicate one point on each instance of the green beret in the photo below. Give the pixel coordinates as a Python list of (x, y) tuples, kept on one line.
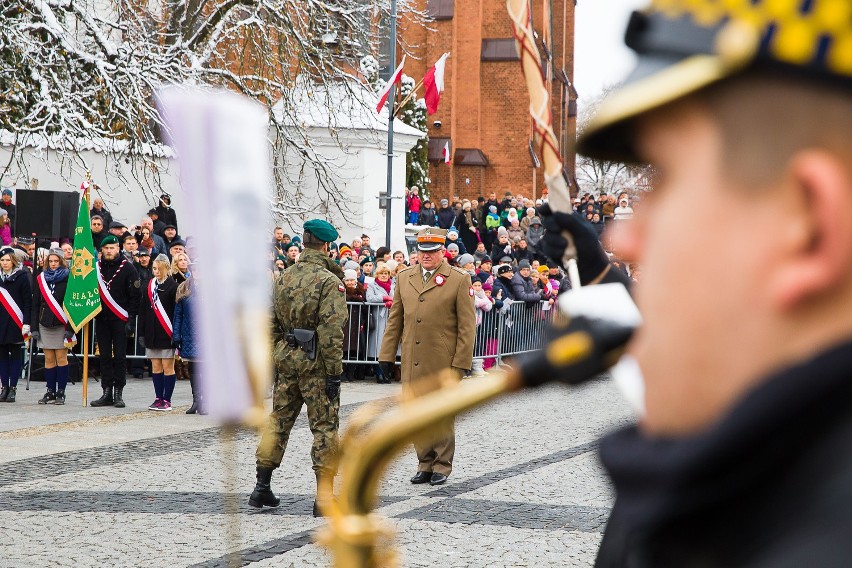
[(109, 240), (323, 230)]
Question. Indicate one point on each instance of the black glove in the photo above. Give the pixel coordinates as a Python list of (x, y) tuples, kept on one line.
[(387, 369), (35, 335), (69, 334), (141, 341), (577, 352), (130, 328), (332, 387), (176, 343), (591, 257)]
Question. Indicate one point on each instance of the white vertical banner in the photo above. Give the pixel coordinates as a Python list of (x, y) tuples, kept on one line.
[(223, 153)]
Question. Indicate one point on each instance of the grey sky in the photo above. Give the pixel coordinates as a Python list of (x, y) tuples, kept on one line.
[(600, 57)]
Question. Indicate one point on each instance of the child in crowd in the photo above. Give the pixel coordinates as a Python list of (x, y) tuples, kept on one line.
[(484, 325)]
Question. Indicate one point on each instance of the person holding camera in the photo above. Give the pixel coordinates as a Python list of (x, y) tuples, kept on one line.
[(310, 311)]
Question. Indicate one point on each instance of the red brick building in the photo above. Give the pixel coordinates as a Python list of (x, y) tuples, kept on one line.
[(484, 110)]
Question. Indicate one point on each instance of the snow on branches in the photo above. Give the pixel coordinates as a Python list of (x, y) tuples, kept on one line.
[(81, 74)]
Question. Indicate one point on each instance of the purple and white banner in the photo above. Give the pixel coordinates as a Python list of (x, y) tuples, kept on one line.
[(223, 153)]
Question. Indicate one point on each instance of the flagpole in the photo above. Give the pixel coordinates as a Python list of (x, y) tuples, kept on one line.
[(85, 363), (391, 113), (408, 98)]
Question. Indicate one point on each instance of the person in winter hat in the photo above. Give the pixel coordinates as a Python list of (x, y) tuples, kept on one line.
[(528, 217), (492, 223), (453, 238), (501, 248)]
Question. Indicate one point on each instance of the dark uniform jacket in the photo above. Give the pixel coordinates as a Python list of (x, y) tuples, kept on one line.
[(310, 295), (123, 282), (768, 485), (42, 314), (150, 327), (18, 286)]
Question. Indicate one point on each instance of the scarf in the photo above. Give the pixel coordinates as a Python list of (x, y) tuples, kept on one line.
[(386, 286), (54, 276), (148, 243)]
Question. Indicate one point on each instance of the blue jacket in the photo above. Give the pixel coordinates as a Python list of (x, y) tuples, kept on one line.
[(184, 324)]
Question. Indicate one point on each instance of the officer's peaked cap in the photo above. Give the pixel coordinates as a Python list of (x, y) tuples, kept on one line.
[(687, 45), (431, 238)]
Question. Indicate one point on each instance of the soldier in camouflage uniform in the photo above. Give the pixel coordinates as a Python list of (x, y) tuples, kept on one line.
[(309, 315)]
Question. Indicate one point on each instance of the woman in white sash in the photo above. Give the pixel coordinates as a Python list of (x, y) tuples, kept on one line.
[(155, 331), (15, 305), (52, 331)]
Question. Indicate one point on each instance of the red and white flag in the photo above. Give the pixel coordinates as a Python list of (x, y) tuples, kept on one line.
[(433, 84), (394, 79), (445, 151)]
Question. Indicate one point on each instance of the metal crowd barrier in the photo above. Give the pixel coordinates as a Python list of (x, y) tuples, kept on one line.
[(515, 329)]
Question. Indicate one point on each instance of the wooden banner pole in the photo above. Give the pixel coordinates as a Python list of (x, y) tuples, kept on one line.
[(85, 363)]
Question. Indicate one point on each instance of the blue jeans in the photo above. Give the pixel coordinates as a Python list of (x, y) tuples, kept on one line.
[(412, 217)]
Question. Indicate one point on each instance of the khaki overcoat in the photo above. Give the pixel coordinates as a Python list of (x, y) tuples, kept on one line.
[(436, 323)]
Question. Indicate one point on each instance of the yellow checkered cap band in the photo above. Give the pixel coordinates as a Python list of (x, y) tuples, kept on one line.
[(815, 34)]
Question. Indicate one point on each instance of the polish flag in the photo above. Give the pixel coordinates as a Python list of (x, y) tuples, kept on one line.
[(394, 79), (445, 151), (433, 84)]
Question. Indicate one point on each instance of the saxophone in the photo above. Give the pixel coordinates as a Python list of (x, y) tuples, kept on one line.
[(359, 538)]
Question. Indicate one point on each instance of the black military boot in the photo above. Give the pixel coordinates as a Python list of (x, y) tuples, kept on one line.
[(262, 496), (10, 397), (117, 401), (105, 400), (4, 392)]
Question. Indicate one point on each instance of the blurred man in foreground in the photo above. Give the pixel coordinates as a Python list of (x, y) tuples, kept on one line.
[(742, 455)]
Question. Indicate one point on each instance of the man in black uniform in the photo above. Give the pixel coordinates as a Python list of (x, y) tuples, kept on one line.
[(120, 294), (741, 456)]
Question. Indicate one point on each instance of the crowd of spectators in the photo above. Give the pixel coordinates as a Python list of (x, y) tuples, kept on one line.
[(154, 234), (496, 242)]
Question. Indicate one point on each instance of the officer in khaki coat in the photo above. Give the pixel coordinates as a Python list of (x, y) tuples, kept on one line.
[(433, 316)]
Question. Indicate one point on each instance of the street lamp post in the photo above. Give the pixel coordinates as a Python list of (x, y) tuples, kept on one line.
[(391, 109)]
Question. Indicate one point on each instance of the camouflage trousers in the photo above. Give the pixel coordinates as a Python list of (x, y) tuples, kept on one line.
[(323, 418)]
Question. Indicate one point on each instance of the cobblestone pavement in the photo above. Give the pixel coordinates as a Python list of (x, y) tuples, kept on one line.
[(127, 487)]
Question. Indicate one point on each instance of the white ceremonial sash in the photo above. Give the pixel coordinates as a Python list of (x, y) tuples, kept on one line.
[(110, 302), (12, 307), (50, 300), (159, 310)]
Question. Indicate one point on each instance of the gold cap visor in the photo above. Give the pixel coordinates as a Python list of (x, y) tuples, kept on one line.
[(660, 82)]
